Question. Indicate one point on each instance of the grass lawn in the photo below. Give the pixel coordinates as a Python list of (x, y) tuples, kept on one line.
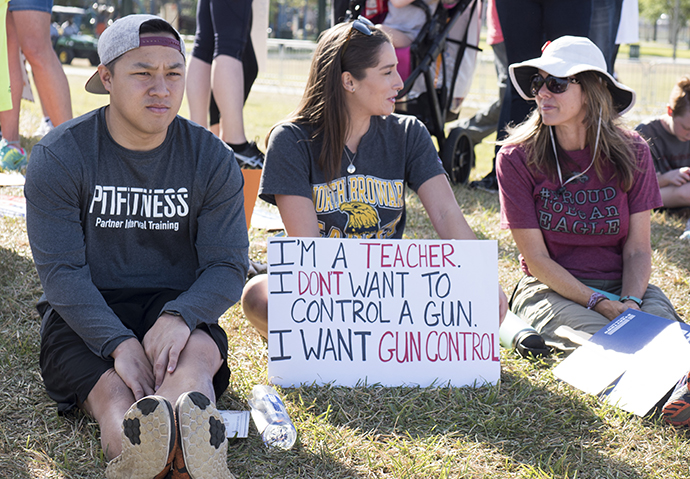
[(657, 50), (528, 426)]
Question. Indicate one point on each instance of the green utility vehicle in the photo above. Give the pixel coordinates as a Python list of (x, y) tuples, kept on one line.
[(69, 43)]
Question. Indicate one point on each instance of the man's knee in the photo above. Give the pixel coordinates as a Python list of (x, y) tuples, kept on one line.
[(203, 350), (658, 304), (676, 196), (684, 194)]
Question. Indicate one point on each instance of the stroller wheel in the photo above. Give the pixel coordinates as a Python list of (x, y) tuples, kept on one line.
[(458, 156)]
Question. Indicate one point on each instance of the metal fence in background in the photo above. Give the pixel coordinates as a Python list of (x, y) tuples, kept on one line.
[(652, 80), (287, 68)]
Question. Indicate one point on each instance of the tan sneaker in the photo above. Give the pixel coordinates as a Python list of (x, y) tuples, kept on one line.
[(202, 438), (148, 441)]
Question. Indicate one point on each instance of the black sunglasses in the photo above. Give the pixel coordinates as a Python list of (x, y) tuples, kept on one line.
[(362, 25), (553, 84)]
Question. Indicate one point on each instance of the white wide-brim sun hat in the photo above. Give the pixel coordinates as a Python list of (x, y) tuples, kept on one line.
[(567, 56)]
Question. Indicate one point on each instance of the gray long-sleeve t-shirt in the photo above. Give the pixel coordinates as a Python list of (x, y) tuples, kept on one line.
[(102, 217)]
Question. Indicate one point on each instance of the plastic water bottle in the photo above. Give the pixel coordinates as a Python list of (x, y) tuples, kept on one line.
[(271, 418), (517, 334)]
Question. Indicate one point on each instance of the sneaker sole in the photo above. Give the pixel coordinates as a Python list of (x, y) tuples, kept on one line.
[(147, 428), (202, 437), (677, 413)]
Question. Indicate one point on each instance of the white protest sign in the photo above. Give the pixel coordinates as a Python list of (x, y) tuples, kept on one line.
[(392, 312)]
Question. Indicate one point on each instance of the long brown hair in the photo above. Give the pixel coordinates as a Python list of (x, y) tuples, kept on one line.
[(323, 104), (615, 141)]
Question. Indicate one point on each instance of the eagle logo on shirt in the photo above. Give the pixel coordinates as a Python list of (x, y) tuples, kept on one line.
[(363, 219)]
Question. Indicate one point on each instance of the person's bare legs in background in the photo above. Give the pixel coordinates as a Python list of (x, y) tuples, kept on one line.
[(225, 77), (226, 70), (33, 38), (198, 96), (223, 62), (9, 119), (51, 81)]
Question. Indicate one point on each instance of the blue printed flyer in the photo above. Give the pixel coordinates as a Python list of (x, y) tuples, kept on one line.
[(632, 362)]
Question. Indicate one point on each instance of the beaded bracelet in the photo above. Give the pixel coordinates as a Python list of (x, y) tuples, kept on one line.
[(594, 300)]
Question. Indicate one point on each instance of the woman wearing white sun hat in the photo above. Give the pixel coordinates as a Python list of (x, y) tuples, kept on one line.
[(576, 190)]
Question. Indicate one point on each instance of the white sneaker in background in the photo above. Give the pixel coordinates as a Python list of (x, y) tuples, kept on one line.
[(45, 126)]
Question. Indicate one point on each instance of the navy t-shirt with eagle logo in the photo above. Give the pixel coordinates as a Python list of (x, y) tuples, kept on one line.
[(369, 203)]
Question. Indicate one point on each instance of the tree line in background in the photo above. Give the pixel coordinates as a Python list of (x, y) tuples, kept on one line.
[(673, 13)]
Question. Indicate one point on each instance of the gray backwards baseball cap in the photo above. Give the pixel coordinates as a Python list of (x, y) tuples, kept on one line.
[(123, 36)]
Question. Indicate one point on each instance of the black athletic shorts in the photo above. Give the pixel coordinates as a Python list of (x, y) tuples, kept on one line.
[(222, 28), (70, 369)]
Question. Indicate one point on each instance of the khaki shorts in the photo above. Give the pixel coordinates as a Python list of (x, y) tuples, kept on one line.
[(546, 310)]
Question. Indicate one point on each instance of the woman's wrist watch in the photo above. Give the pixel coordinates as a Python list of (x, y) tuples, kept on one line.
[(634, 299)]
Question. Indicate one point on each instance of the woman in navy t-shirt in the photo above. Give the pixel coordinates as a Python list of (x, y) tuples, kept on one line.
[(339, 166)]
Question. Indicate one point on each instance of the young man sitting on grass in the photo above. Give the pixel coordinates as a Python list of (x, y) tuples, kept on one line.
[(136, 222)]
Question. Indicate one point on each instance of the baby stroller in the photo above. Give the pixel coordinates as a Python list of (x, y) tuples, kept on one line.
[(430, 68)]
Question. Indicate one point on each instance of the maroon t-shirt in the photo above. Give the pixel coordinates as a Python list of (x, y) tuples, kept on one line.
[(585, 226)]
